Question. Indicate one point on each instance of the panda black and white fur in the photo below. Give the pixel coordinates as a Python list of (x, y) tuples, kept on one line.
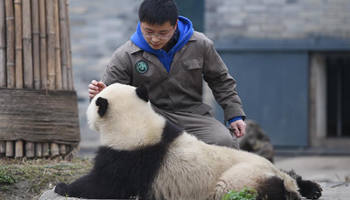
[(144, 155)]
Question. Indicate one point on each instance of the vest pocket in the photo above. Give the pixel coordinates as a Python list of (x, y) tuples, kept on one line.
[(192, 64)]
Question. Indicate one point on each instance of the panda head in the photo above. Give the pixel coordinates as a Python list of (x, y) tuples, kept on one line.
[(123, 115)]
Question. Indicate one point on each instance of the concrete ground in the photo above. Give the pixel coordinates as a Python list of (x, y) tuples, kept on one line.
[(331, 172)]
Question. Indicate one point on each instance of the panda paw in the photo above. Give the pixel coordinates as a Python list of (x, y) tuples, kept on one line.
[(61, 189), (310, 189)]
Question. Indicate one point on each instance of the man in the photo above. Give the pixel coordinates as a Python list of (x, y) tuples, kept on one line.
[(171, 60)]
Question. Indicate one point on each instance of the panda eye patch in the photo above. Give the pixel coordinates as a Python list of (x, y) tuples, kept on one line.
[(102, 104)]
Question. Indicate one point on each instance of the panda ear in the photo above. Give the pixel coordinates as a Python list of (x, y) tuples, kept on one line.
[(142, 93), (102, 104)]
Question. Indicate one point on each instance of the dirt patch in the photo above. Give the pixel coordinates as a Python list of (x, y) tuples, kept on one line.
[(27, 179)]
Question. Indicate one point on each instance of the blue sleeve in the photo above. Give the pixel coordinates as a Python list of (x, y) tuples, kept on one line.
[(235, 119)]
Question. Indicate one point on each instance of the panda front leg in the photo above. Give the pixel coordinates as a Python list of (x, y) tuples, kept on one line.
[(308, 189), (62, 189), (84, 187)]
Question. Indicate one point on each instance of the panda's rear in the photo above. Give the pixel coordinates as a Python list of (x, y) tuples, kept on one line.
[(274, 188)]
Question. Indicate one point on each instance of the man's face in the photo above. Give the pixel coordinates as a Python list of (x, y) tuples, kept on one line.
[(157, 36)]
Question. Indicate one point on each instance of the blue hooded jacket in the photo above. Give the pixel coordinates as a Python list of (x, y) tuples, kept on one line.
[(185, 29)]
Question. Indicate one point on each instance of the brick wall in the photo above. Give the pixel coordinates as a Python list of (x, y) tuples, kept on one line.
[(277, 18)]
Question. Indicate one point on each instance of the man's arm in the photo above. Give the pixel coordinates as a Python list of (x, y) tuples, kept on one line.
[(223, 86), (238, 126), (95, 87), (116, 71)]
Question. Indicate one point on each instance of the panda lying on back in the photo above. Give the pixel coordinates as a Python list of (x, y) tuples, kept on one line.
[(144, 155)]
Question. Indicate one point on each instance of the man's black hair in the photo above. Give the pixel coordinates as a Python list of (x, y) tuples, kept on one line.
[(158, 12)]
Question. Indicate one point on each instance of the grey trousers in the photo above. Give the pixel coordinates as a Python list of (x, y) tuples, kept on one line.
[(204, 127)]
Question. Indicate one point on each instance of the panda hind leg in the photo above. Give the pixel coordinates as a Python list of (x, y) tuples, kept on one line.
[(235, 178), (247, 175), (273, 188), (308, 189)]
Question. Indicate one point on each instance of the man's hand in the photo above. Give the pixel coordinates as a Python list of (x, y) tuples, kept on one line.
[(238, 128), (95, 87)]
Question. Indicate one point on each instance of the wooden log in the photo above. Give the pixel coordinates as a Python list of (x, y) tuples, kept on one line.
[(63, 149), (54, 149), (51, 44), (19, 44), (69, 148), (2, 148), (2, 45), (69, 55), (57, 46), (10, 44), (46, 149), (43, 44), (39, 150), (36, 43), (64, 42), (53, 116), (27, 45), (19, 153), (30, 150), (9, 149)]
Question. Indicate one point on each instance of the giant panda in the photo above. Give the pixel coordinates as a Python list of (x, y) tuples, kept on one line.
[(144, 155)]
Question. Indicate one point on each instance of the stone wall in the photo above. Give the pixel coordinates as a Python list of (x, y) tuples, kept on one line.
[(277, 19), (99, 27)]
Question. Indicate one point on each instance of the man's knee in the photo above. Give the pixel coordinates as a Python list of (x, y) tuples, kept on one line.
[(226, 140)]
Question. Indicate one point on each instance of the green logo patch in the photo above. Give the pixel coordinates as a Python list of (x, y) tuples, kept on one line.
[(141, 67)]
